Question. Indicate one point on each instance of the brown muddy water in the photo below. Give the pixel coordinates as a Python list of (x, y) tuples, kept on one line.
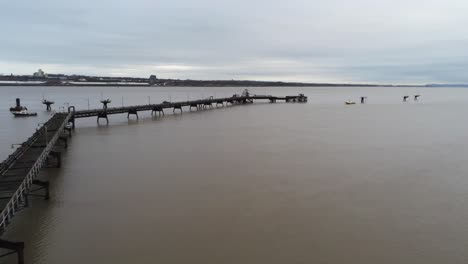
[(383, 182)]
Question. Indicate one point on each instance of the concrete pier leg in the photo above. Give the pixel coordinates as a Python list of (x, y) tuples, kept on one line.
[(20, 253), (58, 157), (107, 119), (177, 107), (64, 140), (25, 200), (157, 109), (72, 121), (17, 247), (132, 112), (45, 186), (102, 115)]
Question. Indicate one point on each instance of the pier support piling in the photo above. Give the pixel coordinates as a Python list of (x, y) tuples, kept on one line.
[(102, 114), (43, 185), (193, 105), (64, 140), (132, 111), (157, 109), (69, 130), (177, 106), (207, 105), (25, 200), (58, 158), (16, 247)]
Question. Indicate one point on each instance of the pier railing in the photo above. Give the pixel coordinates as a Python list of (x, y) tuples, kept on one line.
[(166, 105), (55, 125), (19, 152)]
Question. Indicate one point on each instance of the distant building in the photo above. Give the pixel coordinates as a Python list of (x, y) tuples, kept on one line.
[(153, 79), (39, 74), (55, 75)]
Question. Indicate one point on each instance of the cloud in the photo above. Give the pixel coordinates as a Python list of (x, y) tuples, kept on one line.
[(317, 41)]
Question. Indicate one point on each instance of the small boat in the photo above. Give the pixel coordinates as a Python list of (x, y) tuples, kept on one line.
[(23, 113), (349, 102)]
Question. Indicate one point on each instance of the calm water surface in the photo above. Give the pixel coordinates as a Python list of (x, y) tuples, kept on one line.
[(384, 182)]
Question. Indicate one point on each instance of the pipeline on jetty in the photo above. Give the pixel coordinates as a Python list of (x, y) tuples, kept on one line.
[(19, 172), (159, 108)]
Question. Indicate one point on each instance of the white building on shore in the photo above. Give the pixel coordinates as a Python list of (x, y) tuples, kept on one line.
[(40, 74)]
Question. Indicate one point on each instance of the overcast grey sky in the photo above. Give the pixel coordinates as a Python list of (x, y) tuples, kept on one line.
[(370, 41)]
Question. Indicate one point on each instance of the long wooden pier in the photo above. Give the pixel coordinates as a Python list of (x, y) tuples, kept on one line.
[(19, 172)]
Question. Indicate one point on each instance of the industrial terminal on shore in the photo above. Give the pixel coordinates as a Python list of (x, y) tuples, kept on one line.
[(40, 78)]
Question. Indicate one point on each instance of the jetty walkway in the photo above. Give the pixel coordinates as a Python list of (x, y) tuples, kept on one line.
[(159, 108), (19, 172)]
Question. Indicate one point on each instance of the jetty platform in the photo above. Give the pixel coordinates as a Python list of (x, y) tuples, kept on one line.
[(19, 172)]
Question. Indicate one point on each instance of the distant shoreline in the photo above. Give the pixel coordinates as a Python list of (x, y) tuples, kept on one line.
[(285, 85), (96, 81), (201, 84)]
